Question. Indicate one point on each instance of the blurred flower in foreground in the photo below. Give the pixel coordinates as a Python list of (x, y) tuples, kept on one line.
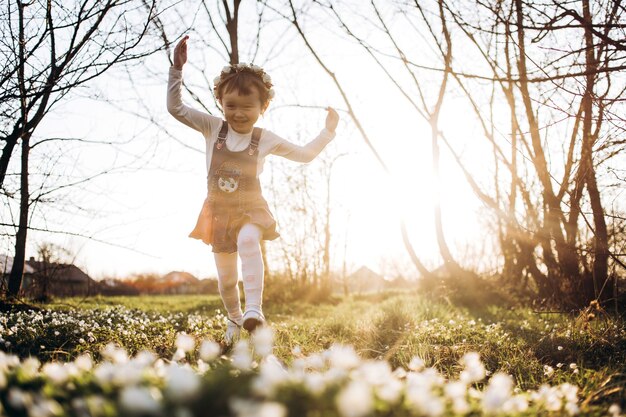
[(355, 400)]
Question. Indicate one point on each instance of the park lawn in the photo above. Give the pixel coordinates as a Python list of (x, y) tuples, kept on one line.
[(587, 350)]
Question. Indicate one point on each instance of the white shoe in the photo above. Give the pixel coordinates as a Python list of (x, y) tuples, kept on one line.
[(233, 331), (253, 319)]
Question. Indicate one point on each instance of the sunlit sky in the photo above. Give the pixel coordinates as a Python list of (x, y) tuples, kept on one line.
[(139, 218)]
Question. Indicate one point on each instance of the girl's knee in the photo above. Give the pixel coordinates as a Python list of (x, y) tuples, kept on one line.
[(249, 240)]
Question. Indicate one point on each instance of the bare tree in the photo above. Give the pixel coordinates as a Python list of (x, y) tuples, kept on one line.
[(50, 50)]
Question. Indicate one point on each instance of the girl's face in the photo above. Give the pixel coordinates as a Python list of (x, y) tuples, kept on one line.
[(242, 111)]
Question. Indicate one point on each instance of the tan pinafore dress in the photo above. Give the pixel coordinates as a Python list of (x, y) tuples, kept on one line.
[(234, 196)]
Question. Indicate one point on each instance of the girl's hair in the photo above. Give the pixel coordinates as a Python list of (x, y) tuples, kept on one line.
[(243, 82)]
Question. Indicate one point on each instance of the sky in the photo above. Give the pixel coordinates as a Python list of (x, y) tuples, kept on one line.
[(138, 216)]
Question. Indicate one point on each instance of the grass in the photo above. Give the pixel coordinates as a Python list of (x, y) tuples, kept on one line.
[(588, 350)]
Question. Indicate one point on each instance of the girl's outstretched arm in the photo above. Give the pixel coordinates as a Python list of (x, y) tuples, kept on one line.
[(193, 118), (309, 151)]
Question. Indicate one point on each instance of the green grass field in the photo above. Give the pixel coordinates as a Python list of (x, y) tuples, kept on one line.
[(536, 349)]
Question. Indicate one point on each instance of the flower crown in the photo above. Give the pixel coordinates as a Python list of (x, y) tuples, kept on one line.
[(243, 67)]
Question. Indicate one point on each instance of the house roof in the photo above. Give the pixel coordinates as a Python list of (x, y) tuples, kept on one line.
[(6, 264), (59, 271)]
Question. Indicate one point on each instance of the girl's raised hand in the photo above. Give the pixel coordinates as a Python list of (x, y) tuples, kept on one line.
[(180, 53), (332, 119)]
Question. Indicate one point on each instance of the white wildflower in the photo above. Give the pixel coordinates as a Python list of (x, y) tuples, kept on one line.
[(474, 370), (263, 340), (315, 383), (266, 78), (181, 383), (515, 405), (185, 342), (497, 393), (416, 364), (209, 350), (114, 354), (18, 399), (355, 400), (140, 400), (84, 362), (390, 390), (56, 372), (615, 410), (241, 355), (455, 390), (548, 370), (30, 367), (342, 357), (271, 375), (217, 80), (271, 93), (226, 70), (249, 408)]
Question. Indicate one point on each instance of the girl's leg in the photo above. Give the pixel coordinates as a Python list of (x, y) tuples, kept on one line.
[(226, 264), (249, 246)]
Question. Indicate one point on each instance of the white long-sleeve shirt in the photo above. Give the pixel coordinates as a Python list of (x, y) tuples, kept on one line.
[(209, 126)]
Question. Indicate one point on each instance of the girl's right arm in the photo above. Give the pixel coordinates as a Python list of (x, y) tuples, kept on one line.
[(195, 119)]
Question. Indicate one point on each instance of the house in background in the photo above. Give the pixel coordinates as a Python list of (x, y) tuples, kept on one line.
[(42, 279), (364, 280)]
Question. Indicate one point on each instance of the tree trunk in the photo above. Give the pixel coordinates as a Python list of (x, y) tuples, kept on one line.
[(600, 288), (15, 278)]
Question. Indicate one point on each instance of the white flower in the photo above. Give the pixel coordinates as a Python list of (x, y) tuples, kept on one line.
[(560, 348), (226, 70), (271, 375), (315, 383), (271, 93), (416, 364), (217, 80), (241, 355), (84, 362), (182, 383), (497, 393), (573, 366), (315, 361), (140, 400), (474, 369), (30, 367), (374, 372), (178, 355), (548, 370), (572, 408), (114, 353), (263, 340), (209, 350), (19, 399), (355, 400), (390, 390), (342, 357), (56, 372), (615, 410), (515, 405), (455, 390), (248, 408), (256, 68), (185, 342), (266, 78)]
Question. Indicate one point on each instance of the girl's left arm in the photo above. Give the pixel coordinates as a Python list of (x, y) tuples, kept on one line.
[(305, 153), (309, 151)]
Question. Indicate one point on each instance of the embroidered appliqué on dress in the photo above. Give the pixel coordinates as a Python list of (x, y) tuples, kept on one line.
[(228, 177)]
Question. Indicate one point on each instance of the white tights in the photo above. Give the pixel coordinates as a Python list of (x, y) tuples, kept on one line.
[(248, 244)]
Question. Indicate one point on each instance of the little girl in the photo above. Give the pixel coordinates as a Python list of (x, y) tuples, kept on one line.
[(235, 216)]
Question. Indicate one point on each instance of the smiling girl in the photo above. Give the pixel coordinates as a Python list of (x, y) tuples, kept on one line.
[(235, 217)]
